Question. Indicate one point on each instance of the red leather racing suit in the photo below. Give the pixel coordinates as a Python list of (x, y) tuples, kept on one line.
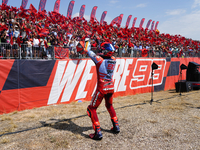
[(105, 87)]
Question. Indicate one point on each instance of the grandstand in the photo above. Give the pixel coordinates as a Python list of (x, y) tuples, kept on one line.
[(32, 34)]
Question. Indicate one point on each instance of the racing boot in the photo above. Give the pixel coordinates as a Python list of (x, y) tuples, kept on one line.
[(115, 127), (97, 135)]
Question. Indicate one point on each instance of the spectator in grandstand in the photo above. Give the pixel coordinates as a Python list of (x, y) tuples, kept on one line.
[(36, 48), (53, 40), (10, 33), (130, 49), (23, 45), (43, 45), (16, 32), (7, 46), (49, 49), (3, 17), (3, 36), (94, 46), (76, 41), (157, 50), (138, 48), (15, 48), (145, 49), (23, 33), (72, 47), (4, 44), (123, 48), (29, 43), (151, 50)]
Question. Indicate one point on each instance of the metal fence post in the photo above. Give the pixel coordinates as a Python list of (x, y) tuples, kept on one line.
[(120, 52), (20, 53), (53, 52)]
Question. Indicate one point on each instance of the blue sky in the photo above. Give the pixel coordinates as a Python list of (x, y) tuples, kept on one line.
[(174, 16)]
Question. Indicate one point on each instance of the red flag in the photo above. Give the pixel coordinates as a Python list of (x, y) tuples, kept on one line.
[(14, 9), (70, 9), (61, 53), (152, 25), (141, 23), (130, 44), (19, 41), (32, 8), (148, 24), (128, 20), (4, 6), (57, 6), (144, 52), (103, 17), (41, 15), (82, 11), (133, 25), (11, 40), (156, 25), (3, 27), (43, 32), (42, 5), (24, 3), (93, 13), (23, 15), (27, 30)]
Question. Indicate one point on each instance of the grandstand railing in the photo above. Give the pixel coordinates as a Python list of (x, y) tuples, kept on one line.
[(8, 51)]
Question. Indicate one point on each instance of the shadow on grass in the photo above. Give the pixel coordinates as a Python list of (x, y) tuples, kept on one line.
[(69, 125), (61, 124)]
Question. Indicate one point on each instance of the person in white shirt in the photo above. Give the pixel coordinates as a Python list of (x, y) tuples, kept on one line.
[(29, 48), (42, 47), (36, 47)]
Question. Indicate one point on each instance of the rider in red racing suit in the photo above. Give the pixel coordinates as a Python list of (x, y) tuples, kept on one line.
[(105, 65)]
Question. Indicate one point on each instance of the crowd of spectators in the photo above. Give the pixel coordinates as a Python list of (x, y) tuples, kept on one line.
[(34, 33)]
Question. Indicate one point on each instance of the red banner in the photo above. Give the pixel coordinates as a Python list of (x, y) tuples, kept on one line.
[(93, 13), (128, 20), (24, 3), (141, 23), (42, 5), (115, 20), (57, 6), (134, 21), (70, 9), (103, 17), (48, 82), (148, 24), (152, 25), (82, 11), (156, 25), (120, 20), (61, 53)]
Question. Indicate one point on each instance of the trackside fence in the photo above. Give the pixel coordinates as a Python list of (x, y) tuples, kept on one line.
[(25, 51)]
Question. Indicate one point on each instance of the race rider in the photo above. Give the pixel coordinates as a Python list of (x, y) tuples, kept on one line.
[(105, 64)]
